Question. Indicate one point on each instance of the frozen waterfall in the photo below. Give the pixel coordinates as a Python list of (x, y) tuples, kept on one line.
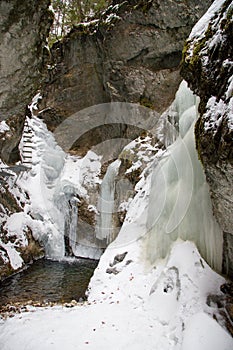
[(54, 194), (179, 201), (71, 221), (104, 227)]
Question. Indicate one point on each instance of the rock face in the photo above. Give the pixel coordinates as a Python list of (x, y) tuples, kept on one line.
[(207, 66), (9, 139), (131, 54), (24, 27)]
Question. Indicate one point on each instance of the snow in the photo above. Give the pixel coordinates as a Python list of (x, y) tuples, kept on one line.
[(139, 308), (90, 167), (111, 17), (15, 223), (229, 91), (34, 103), (230, 114), (15, 259), (90, 23), (200, 29), (216, 112), (201, 26), (203, 333), (4, 127)]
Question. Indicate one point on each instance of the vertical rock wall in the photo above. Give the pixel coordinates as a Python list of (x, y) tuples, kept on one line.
[(131, 54), (24, 27), (208, 67)]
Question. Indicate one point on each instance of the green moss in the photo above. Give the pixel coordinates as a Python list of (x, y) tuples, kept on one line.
[(146, 102), (194, 60), (198, 126), (127, 156), (226, 23), (229, 14), (144, 5)]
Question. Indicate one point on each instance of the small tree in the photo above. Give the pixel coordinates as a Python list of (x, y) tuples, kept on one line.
[(70, 12)]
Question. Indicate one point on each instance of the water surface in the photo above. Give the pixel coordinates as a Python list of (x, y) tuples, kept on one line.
[(48, 281)]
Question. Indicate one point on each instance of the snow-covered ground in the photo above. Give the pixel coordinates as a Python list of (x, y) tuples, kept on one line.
[(139, 309)]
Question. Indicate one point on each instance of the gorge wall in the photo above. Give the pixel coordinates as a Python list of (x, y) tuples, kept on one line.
[(24, 28), (207, 66), (130, 54)]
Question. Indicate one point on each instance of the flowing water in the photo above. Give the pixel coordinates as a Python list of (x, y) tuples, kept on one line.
[(48, 281)]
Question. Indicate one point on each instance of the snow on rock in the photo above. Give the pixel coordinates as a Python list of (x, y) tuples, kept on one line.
[(16, 224), (216, 111), (14, 256), (90, 167), (4, 127), (201, 26), (199, 31)]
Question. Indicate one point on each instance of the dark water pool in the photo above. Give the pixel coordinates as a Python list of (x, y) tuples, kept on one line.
[(48, 281)]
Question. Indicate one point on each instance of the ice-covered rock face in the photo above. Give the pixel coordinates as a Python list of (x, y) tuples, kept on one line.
[(208, 67)]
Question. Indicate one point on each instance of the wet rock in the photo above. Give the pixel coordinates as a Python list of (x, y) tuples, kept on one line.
[(9, 140)]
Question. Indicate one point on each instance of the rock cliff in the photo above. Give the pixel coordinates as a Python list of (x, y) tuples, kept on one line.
[(24, 27), (131, 54), (207, 66)]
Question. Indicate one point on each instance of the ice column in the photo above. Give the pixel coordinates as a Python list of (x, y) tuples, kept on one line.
[(104, 227)]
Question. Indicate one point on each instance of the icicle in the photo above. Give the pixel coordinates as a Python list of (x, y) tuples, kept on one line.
[(104, 228)]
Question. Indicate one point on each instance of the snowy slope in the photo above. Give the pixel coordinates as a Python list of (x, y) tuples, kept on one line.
[(164, 308)]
